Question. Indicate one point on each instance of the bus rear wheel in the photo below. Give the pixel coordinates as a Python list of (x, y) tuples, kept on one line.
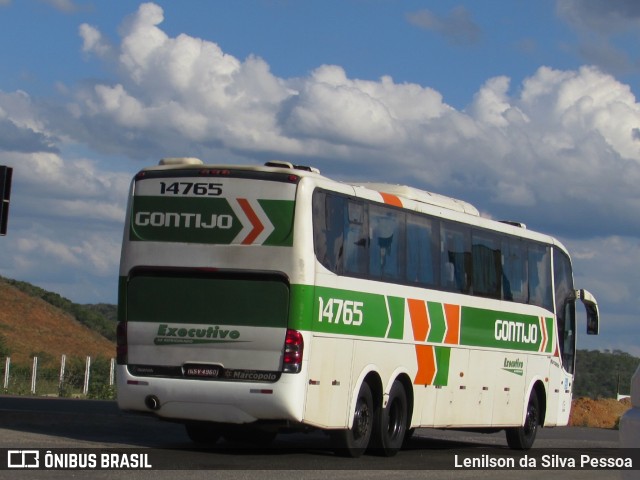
[(354, 441), (390, 427), (522, 438)]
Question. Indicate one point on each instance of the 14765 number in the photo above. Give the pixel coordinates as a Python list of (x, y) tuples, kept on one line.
[(194, 188), (336, 310)]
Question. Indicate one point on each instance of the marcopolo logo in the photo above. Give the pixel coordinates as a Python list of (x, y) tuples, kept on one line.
[(172, 334)]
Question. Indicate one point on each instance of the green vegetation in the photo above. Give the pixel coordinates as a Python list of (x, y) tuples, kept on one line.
[(48, 379), (100, 317), (597, 373)]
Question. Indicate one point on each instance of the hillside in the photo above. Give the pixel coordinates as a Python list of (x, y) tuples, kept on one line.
[(30, 326), (100, 317), (603, 374)]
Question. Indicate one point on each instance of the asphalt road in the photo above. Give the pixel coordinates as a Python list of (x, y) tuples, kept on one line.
[(96, 427)]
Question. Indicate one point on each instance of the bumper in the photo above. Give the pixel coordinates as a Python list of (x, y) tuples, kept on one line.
[(212, 401)]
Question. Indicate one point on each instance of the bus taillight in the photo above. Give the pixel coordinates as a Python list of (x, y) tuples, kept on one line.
[(121, 343), (293, 350)]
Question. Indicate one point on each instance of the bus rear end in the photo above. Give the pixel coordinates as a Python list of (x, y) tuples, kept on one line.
[(205, 295)]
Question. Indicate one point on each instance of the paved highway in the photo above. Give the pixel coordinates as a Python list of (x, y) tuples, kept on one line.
[(94, 427)]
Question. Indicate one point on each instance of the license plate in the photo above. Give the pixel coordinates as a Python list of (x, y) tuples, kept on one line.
[(201, 371)]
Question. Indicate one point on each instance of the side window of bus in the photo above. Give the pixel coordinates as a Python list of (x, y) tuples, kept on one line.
[(487, 265), (540, 276), (423, 250), (387, 228), (565, 307), (328, 226), (456, 257), (514, 270), (356, 244)]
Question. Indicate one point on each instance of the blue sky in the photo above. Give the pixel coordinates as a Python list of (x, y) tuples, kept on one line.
[(527, 109)]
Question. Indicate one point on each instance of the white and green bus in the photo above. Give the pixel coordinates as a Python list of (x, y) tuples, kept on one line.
[(260, 299)]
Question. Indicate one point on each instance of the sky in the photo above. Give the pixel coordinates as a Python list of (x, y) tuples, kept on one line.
[(526, 109)]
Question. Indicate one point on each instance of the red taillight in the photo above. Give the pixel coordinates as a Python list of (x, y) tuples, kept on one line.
[(121, 343), (214, 172), (293, 350)]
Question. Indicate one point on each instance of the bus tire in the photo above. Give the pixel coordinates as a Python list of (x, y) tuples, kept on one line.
[(522, 438), (354, 441), (202, 432), (391, 426)]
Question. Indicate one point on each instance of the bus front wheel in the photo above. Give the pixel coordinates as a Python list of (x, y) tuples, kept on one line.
[(522, 438)]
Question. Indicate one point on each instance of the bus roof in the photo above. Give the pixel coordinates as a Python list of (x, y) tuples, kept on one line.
[(422, 196)]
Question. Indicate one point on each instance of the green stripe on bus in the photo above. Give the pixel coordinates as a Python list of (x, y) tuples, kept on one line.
[(443, 357), (550, 335), (499, 329), (438, 324), (280, 213), (361, 314), (206, 220)]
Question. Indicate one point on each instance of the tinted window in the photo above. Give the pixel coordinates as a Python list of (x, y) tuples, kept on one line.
[(423, 250), (356, 257), (514, 270), (540, 276), (375, 241), (565, 307), (455, 257), (487, 265), (387, 232)]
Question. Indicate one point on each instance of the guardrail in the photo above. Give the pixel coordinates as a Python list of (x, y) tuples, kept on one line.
[(72, 377)]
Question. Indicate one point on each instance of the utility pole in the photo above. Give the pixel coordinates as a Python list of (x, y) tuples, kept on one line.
[(5, 193)]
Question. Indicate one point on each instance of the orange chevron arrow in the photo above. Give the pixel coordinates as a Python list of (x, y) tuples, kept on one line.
[(257, 225), (545, 337), (427, 366)]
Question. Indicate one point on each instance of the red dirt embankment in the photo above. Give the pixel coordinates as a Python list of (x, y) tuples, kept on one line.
[(603, 413), (30, 326)]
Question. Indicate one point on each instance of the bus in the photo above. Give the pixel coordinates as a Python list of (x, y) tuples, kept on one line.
[(256, 300)]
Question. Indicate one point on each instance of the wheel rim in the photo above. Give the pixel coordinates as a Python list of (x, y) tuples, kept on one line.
[(531, 423), (362, 420), (396, 420)]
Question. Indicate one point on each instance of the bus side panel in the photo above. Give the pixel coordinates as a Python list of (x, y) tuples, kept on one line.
[(561, 389), (447, 412), (480, 387), (329, 385), (509, 386)]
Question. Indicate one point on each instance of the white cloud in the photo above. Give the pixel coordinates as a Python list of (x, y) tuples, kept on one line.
[(93, 41)]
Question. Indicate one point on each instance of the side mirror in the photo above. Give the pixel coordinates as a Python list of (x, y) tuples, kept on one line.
[(593, 315)]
